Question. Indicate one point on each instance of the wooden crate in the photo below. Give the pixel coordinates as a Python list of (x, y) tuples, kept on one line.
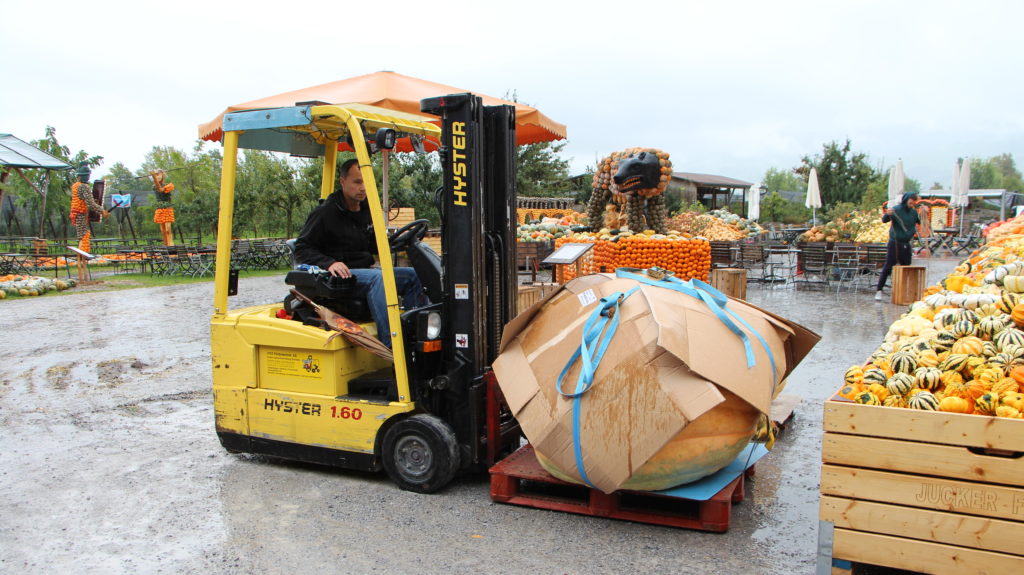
[(908, 283), (925, 491), (730, 281), (400, 217), (531, 294), (531, 253), (434, 241)]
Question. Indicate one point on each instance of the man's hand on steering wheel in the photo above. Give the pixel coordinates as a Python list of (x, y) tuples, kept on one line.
[(408, 234)]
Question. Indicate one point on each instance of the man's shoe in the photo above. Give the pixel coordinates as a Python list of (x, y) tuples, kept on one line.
[(878, 295)]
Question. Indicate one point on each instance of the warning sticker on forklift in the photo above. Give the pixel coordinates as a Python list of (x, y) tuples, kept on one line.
[(461, 340), (293, 363), (461, 291)]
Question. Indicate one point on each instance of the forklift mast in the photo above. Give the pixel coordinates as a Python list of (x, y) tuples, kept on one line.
[(478, 251)]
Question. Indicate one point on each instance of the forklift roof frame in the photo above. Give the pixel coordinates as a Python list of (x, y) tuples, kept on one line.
[(305, 131)]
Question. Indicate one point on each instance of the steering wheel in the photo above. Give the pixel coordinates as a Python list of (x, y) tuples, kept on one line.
[(408, 234)]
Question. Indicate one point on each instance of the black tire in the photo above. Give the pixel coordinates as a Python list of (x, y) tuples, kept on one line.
[(421, 453)]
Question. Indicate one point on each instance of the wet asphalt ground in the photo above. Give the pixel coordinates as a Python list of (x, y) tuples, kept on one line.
[(109, 462)]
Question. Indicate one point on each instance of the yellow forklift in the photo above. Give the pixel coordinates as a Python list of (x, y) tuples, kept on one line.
[(282, 386)]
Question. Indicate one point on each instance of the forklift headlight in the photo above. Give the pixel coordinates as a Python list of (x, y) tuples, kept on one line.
[(433, 325)]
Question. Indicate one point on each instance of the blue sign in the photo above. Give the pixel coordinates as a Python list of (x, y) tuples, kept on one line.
[(120, 201)]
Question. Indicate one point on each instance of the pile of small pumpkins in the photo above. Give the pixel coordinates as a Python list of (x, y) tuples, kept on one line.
[(687, 257), (961, 348)]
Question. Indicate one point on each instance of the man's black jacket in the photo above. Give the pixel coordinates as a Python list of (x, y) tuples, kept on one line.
[(333, 233)]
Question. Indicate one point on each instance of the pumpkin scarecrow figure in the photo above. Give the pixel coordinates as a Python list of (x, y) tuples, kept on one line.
[(164, 213), (635, 180), (82, 204)]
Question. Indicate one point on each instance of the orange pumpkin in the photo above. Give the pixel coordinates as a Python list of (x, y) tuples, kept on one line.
[(956, 404), (970, 345), (1017, 314), (971, 389), (1017, 373), (1004, 385)]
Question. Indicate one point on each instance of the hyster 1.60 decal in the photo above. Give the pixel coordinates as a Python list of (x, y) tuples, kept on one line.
[(310, 408)]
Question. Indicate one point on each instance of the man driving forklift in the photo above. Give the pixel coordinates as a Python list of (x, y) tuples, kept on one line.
[(338, 237)]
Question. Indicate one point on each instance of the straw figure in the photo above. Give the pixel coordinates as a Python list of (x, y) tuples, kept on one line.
[(164, 213), (82, 204)]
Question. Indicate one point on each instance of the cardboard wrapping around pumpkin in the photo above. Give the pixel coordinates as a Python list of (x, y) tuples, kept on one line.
[(671, 366)]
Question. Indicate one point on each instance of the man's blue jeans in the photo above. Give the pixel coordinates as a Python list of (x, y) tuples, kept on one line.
[(371, 283)]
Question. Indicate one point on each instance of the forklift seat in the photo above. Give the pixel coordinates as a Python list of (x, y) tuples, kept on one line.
[(334, 293), (291, 252), (427, 264)]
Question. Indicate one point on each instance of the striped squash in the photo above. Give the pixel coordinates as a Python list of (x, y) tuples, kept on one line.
[(924, 400), (854, 375), (903, 362), (964, 328), (867, 398), (928, 378), (895, 401), (987, 403), (900, 383), (874, 375), (943, 341), (1008, 337)]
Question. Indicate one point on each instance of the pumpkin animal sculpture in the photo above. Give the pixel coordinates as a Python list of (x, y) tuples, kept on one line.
[(635, 179)]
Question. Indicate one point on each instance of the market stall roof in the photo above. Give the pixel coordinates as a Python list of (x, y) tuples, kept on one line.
[(395, 92), (711, 180), (16, 153), (983, 193)]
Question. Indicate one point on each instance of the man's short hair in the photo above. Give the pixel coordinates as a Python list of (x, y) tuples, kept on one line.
[(347, 165)]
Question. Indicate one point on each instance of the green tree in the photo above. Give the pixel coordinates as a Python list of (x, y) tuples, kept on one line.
[(783, 181), (772, 207), (54, 214), (997, 172), (196, 179), (843, 175), (414, 180), (540, 172), (268, 193)]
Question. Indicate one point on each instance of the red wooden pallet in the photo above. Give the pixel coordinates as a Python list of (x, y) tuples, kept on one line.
[(519, 479)]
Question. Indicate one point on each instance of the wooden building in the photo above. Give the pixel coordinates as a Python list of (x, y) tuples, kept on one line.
[(711, 190)]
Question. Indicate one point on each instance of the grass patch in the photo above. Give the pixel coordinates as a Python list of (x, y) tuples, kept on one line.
[(118, 282), (130, 281)]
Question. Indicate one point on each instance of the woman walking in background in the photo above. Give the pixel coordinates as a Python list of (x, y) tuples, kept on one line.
[(904, 220)]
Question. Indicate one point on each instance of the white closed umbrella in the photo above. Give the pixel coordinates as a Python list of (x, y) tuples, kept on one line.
[(896, 183), (813, 200), (964, 187), (954, 188), (754, 202)]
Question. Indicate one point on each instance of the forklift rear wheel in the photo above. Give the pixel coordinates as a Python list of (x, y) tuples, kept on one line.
[(421, 453)]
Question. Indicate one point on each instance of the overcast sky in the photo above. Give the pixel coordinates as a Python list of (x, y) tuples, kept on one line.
[(728, 88)]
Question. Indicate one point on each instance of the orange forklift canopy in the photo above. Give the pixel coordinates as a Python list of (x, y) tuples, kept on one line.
[(394, 92)]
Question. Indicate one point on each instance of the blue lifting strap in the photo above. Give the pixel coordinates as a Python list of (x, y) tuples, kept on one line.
[(597, 334)]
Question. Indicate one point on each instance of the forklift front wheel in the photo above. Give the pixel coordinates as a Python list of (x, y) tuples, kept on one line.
[(421, 453)]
